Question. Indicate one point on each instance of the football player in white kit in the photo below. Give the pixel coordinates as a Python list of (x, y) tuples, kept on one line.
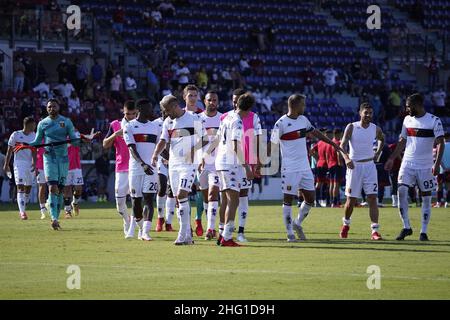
[(24, 163), (141, 136), (183, 130), (290, 132), (230, 163), (165, 198), (208, 178), (361, 170), (421, 130), (114, 137)]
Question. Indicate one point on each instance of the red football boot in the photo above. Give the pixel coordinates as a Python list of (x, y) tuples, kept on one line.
[(159, 225), (198, 228), (229, 243), (344, 232)]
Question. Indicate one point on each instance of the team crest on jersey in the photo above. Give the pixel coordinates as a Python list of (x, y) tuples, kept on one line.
[(62, 124), (349, 190), (289, 188)]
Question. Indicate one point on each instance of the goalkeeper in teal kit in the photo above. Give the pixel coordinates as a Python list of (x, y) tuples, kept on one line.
[(55, 129)]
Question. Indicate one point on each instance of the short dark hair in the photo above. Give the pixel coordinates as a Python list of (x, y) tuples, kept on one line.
[(416, 99), (129, 104), (238, 92), (295, 99), (189, 87), (337, 131), (143, 103), (28, 120), (53, 100), (211, 92), (365, 105), (246, 101), (447, 135)]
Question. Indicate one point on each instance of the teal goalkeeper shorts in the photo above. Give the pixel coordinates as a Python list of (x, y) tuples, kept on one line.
[(56, 170)]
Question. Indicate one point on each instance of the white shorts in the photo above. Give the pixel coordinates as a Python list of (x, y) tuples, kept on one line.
[(121, 184), (422, 177), (364, 175), (208, 178), (231, 179), (162, 168), (23, 175), (291, 182), (74, 178), (143, 184), (245, 183), (41, 177), (181, 178)]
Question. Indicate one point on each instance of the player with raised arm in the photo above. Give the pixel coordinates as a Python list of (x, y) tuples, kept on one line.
[(183, 130), (54, 129), (24, 163), (114, 137), (208, 178), (141, 136), (361, 170), (420, 131), (290, 132)]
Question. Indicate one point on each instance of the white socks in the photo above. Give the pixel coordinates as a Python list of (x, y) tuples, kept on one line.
[(121, 205), (184, 217), (287, 218), (375, 227), (426, 213), (170, 209), (243, 211), (147, 226), (228, 231), (27, 198), (21, 201), (160, 205), (213, 207), (303, 212), (221, 227), (346, 222), (403, 205)]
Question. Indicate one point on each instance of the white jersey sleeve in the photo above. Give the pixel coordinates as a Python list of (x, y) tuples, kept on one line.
[(276, 133), (128, 135), (257, 125), (12, 139), (165, 131), (438, 129)]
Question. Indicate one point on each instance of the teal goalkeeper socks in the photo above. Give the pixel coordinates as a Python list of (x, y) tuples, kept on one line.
[(199, 201), (54, 206)]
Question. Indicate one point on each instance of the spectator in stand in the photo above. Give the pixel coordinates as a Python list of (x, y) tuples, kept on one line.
[(167, 9), (73, 104), (63, 70), (100, 115), (102, 168), (156, 17), (214, 80), (42, 87), (30, 73), (116, 85), (110, 73), (257, 66), (226, 78), (244, 66), (393, 110), (267, 104), (118, 20), (131, 87), (65, 88), (165, 77), (202, 78), (433, 73), (81, 77), (96, 73), (19, 75), (174, 67), (183, 74), (236, 77), (27, 108), (308, 76), (153, 83), (329, 81), (375, 102), (438, 99)]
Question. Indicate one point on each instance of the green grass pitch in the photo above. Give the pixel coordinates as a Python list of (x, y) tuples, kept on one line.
[(34, 259)]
